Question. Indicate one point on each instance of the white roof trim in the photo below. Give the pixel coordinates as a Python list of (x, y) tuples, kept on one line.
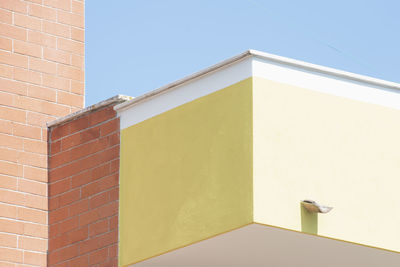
[(186, 79), (326, 70), (266, 56)]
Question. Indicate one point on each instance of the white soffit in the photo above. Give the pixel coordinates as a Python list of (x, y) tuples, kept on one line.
[(258, 64), (259, 246)]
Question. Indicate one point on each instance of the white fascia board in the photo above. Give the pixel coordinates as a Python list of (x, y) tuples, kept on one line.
[(183, 91), (182, 81), (377, 92), (324, 70)]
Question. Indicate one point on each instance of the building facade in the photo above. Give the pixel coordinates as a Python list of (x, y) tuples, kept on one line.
[(228, 155), (211, 170)]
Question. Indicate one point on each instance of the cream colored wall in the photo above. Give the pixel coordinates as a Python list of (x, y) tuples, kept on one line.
[(186, 174), (335, 150)]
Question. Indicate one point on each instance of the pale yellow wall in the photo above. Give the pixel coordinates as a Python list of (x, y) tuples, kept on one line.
[(338, 151), (186, 174)]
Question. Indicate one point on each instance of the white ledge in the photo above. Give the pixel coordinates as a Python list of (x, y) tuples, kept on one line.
[(82, 112)]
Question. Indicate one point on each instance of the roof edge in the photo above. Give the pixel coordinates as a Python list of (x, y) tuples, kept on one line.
[(266, 56), (112, 100), (186, 79), (326, 70)]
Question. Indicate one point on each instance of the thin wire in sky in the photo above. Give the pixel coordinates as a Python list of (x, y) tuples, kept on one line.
[(312, 35)]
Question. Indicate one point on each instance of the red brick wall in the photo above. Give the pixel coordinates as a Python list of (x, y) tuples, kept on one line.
[(83, 190), (41, 79)]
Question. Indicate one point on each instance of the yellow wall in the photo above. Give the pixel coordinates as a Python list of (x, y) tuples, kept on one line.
[(186, 174), (340, 152)]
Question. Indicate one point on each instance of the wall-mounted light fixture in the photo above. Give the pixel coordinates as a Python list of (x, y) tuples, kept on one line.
[(314, 207)]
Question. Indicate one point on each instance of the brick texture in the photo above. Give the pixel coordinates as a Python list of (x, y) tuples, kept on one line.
[(83, 190), (41, 79)]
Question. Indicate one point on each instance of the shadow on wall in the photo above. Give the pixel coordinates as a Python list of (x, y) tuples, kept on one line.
[(309, 221)]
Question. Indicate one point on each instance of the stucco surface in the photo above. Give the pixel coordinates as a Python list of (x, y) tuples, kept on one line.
[(186, 174), (337, 151)]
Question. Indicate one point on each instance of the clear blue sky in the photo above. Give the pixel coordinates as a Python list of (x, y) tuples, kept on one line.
[(136, 46)]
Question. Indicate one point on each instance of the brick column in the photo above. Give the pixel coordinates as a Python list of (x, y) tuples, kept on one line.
[(83, 188), (41, 79)]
